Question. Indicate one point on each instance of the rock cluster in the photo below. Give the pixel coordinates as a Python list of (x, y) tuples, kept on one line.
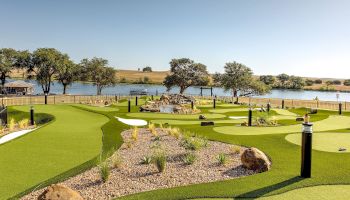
[(59, 192), (178, 102)]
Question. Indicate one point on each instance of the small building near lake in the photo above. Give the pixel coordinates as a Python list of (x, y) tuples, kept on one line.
[(18, 88)]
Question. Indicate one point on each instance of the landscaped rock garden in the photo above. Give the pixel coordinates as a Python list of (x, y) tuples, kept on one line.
[(154, 158), (14, 126), (174, 103)]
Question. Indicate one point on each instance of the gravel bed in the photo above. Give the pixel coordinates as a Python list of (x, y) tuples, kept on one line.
[(133, 177)]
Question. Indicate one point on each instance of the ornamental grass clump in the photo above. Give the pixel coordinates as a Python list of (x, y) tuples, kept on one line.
[(235, 149), (146, 160), (159, 159), (104, 171), (222, 159), (23, 123), (135, 133), (152, 129), (189, 158), (116, 161), (175, 132), (12, 125), (193, 143)]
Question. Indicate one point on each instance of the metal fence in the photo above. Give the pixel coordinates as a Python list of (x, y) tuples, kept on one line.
[(92, 99)]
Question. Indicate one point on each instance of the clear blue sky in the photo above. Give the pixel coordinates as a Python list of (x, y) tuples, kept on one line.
[(300, 37)]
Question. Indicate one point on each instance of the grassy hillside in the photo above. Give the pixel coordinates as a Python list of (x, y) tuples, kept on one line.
[(131, 76)]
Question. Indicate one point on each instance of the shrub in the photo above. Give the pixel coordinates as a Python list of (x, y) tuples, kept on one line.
[(193, 143), (336, 82), (147, 69), (152, 129), (347, 82), (318, 81), (123, 80), (104, 171), (12, 124), (263, 119), (235, 149), (116, 161), (135, 133), (189, 158), (146, 160), (309, 82), (159, 159), (146, 79), (221, 158), (23, 123)]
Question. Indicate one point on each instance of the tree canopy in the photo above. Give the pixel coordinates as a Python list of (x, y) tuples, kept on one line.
[(186, 73), (67, 73), (97, 71), (8, 59), (147, 69), (239, 78)]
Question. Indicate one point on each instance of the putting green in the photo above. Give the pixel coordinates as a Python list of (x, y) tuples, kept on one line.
[(190, 122), (172, 116), (329, 142), (228, 110), (322, 192), (98, 108), (132, 102), (218, 105), (284, 112), (71, 139), (331, 123)]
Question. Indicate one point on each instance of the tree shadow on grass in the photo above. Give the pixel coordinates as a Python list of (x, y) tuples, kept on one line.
[(265, 190)]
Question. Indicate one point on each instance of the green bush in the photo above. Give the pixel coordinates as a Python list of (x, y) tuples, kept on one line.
[(159, 159), (146, 160), (347, 82), (222, 159), (189, 158), (309, 82), (318, 81), (193, 143), (104, 171)]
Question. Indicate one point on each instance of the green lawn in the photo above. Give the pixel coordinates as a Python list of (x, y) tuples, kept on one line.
[(73, 138), (330, 142), (72, 125)]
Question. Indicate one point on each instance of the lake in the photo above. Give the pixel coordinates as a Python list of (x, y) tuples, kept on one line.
[(124, 89)]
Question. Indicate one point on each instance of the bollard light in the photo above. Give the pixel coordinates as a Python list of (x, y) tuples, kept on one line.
[(136, 101), (283, 104), (250, 115), (306, 148), (129, 105), (340, 108), (32, 116), (214, 103), (268, 107), (152, 97), (192, 104)]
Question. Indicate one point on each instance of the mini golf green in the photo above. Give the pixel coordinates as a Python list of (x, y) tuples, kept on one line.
[(99, 108), (71, 139), (330, 142), (322, 192), (331, 123), (191, 122), (173, 116), (284, 112)]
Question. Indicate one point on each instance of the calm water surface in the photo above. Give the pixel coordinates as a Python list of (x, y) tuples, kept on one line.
[(124, 89)]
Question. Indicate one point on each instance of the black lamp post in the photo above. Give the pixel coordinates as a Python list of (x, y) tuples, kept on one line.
[(129, 105), (136, 101), (192, 104), (32, 116), (214, 103), (268, 107), (283, 104), (306, 148), (340, 108), (250, 115)]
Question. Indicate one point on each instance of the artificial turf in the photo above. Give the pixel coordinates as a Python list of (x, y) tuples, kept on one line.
[(328, 168), (172, 116)]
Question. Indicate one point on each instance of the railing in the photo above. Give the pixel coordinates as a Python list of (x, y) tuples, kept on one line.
[(91, 99)]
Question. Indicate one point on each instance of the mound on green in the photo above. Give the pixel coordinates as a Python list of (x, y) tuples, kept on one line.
[(331, 123), (330, 142), (71, 139)]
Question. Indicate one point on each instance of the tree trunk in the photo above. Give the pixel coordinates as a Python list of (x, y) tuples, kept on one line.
[(234, 92), (64, 88), (182, 89)]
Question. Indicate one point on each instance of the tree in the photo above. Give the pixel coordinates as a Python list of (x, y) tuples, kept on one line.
[(309, 82), (267, 79), (296, 82), (147, 69), (67, 73), (96, 70), (45, 64), (239, 78), (347, 82), (186, 73), (336, 82), (7, 63), (318, 81), (283, 78)]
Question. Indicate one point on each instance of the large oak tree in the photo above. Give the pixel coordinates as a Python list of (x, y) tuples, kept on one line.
[(186, 73)]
